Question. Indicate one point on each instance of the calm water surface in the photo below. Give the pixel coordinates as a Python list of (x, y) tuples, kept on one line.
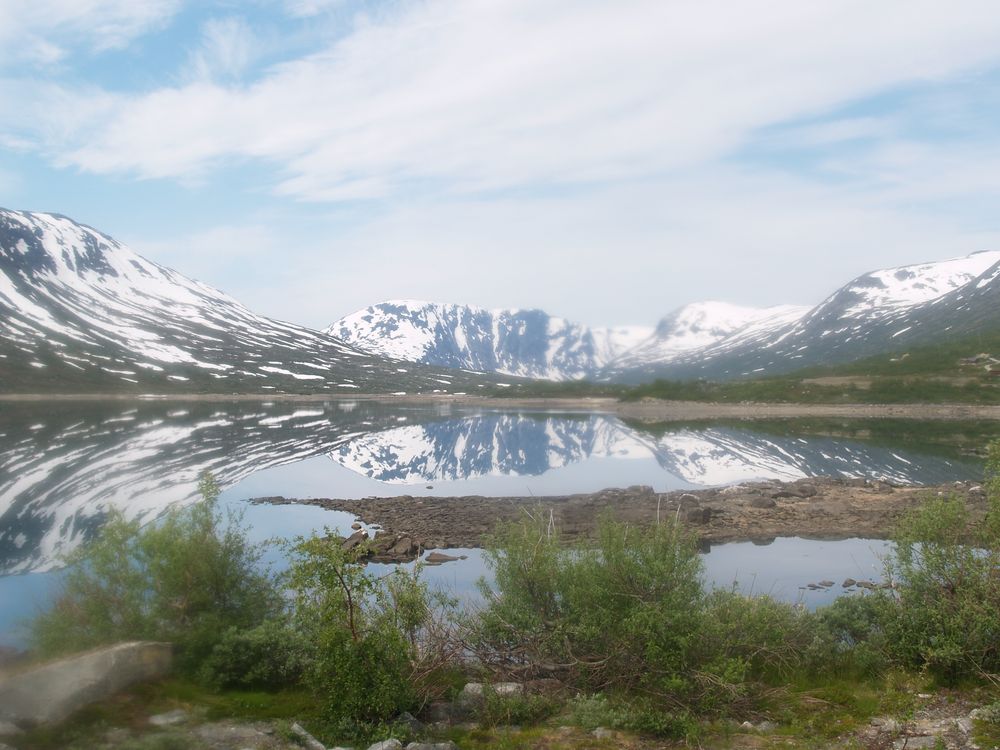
[(63, 467)]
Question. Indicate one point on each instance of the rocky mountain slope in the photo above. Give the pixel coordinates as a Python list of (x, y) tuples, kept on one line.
[(882, 311), (527, 343), (81, 312)]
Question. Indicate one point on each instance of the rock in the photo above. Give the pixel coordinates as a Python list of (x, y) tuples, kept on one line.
[(746, 725), (404, 547), (449, 745), (170, 718), (392, 744), (7, 729), (51, 692), (866, 585), (848, 582), (826, 584), (410, 721), (697, 516), (307, 740), (886, 724), (440, 712), (429, 487), (356, 526), (354, 540), (687, 500), (766, 726), (436, 558), (807, 490), (964, 724), (603, 734), (915, 743), (762, 502)]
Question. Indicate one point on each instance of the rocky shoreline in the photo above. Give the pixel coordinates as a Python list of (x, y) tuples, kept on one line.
[(820, 508)]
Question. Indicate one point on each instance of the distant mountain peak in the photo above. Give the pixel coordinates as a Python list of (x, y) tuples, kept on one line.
[(526, 343)]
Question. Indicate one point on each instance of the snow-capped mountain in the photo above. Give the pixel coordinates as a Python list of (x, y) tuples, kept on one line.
[(880, 311), (82, 312), (700, 325), (526, 343)]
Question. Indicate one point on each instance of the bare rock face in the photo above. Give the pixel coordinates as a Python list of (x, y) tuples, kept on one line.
[(51, 692)]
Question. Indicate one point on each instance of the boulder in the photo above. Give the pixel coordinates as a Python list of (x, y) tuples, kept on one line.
[(697, 516), (51, 692), (392, 744), (354, 540), (848, 583), (762, 502)]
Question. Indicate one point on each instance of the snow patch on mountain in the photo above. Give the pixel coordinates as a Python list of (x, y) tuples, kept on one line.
[(527, 343)]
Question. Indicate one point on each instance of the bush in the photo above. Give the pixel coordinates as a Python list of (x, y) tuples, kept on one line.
[(856, 626), (620, 614), (186, 579), (269, 656), (945, 613), (367, 632), (757, 638)]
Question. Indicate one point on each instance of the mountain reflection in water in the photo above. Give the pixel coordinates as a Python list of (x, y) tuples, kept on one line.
[(63, 466)]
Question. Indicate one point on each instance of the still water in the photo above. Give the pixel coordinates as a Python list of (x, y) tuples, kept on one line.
[(62, 467)]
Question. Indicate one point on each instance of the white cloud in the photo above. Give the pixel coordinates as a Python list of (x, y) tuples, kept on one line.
[(473, 95), (227, 47), (39, 31), (310, 8), (624, 254)]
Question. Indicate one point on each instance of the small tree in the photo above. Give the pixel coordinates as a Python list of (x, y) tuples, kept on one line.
[(185, 578), (366, 630)]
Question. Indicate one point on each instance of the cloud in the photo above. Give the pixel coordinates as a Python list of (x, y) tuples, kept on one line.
[(227, 48), (310, 8), (39, 31), (610, 255), (472, 96)]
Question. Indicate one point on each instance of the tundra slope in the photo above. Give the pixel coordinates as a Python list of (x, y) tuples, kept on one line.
[(82, 312)]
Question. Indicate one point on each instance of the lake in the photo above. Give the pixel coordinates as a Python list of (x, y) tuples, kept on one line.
[(62, 466)]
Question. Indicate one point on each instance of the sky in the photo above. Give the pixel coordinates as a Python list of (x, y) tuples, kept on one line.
[(607, 161)]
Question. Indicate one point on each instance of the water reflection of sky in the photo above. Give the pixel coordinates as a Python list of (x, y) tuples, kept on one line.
[(781, 569), (59, 472)]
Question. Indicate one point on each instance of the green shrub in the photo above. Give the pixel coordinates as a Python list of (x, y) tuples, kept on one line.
[(856, 626), (622, 613), (366, 630), (746, 638), (945, 613), (519, 708), (269, 656), (186, 578)]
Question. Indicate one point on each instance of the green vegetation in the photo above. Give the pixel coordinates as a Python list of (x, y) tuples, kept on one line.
[(186, 579), (941, 373), (621, 623)]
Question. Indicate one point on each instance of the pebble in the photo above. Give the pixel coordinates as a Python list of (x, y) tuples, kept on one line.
[(169, 719)]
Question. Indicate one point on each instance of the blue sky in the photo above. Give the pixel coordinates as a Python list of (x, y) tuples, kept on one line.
[(607, 161)]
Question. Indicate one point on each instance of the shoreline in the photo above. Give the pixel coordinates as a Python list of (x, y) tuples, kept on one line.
[(817, 508), (643, 411)]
